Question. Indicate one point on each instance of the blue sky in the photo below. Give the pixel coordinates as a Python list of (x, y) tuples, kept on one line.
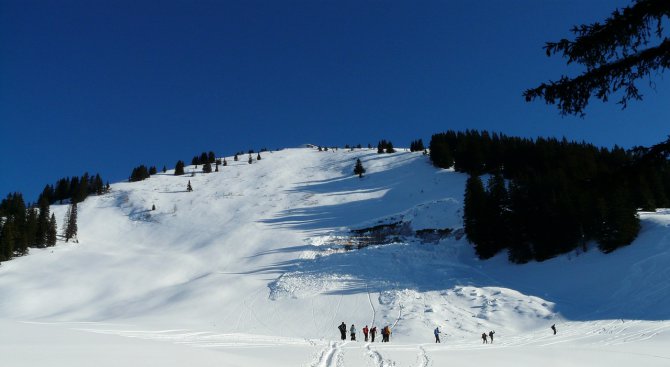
[(104, 86)]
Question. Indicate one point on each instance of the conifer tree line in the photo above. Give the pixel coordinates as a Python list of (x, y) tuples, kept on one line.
[(417, 146), (546, 197), (385, 146), (204, 158), (23, 227), (141, 173), (75, 189)]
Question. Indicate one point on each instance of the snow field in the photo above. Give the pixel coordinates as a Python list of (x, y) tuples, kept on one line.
[(250, 268)]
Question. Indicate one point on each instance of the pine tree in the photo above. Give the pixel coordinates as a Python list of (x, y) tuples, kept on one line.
[(207, 168), (251, 160), (51, 236), (179, 168), (7, 240), (42, 222), (164, 169), (258, 157), (80, 191), (235, 158), (498, 210), (440, 151), (621, 223), (71, 223), (358, 169), (99, 186), (225, 163), (30, 228), (474, 211)]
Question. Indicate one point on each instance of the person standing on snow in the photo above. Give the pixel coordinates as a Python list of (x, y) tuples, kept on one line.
[(373, 331), (365, 332), (343, 331), (353, 332), (386, 333), (491, 335), (437, 334), (484, 341)]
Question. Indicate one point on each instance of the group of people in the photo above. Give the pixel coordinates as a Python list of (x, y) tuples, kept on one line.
[(369, 334), (386, 333), (485, 338)]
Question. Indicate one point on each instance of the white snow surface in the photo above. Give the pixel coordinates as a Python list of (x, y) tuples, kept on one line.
[(251, 269)]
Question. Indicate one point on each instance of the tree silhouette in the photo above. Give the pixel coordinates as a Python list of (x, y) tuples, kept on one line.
[(71, 223), (179, 168), (359, 170), (615, 53)]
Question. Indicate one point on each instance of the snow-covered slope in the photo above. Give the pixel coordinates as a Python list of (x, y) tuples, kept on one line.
[(256, 257)]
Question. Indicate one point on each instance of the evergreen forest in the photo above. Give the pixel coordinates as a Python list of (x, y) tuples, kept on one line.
[(544, 197)]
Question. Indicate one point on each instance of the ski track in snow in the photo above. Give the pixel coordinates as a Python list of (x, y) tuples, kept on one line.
[(422, 358), (377, 359), (328, 356), (374, 312)]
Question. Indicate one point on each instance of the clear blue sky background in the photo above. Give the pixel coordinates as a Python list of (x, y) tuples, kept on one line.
[(104, 86)]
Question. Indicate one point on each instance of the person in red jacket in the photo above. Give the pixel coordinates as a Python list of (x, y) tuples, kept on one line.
[(365, 332)]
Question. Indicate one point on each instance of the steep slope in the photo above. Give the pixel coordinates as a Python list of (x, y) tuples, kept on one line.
[(261, 250)]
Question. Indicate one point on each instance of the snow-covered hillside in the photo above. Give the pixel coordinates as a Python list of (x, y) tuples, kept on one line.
[(254, 267)]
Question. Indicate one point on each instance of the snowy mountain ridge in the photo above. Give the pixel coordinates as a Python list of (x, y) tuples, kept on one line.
[(260, 256)]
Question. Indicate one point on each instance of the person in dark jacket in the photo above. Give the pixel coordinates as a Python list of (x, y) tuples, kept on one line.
[(484, 341), (343, 330), (437, 334), (373, 332), (491, 335)]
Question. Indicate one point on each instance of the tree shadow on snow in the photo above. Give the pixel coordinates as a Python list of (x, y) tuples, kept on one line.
[(354, 201)]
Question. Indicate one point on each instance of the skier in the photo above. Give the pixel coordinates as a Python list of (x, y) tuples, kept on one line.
[(343, 330), (353, 332), (437, 334), (491, 335), (553, 327), (484, 341), (373, 331), (365, 332)]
